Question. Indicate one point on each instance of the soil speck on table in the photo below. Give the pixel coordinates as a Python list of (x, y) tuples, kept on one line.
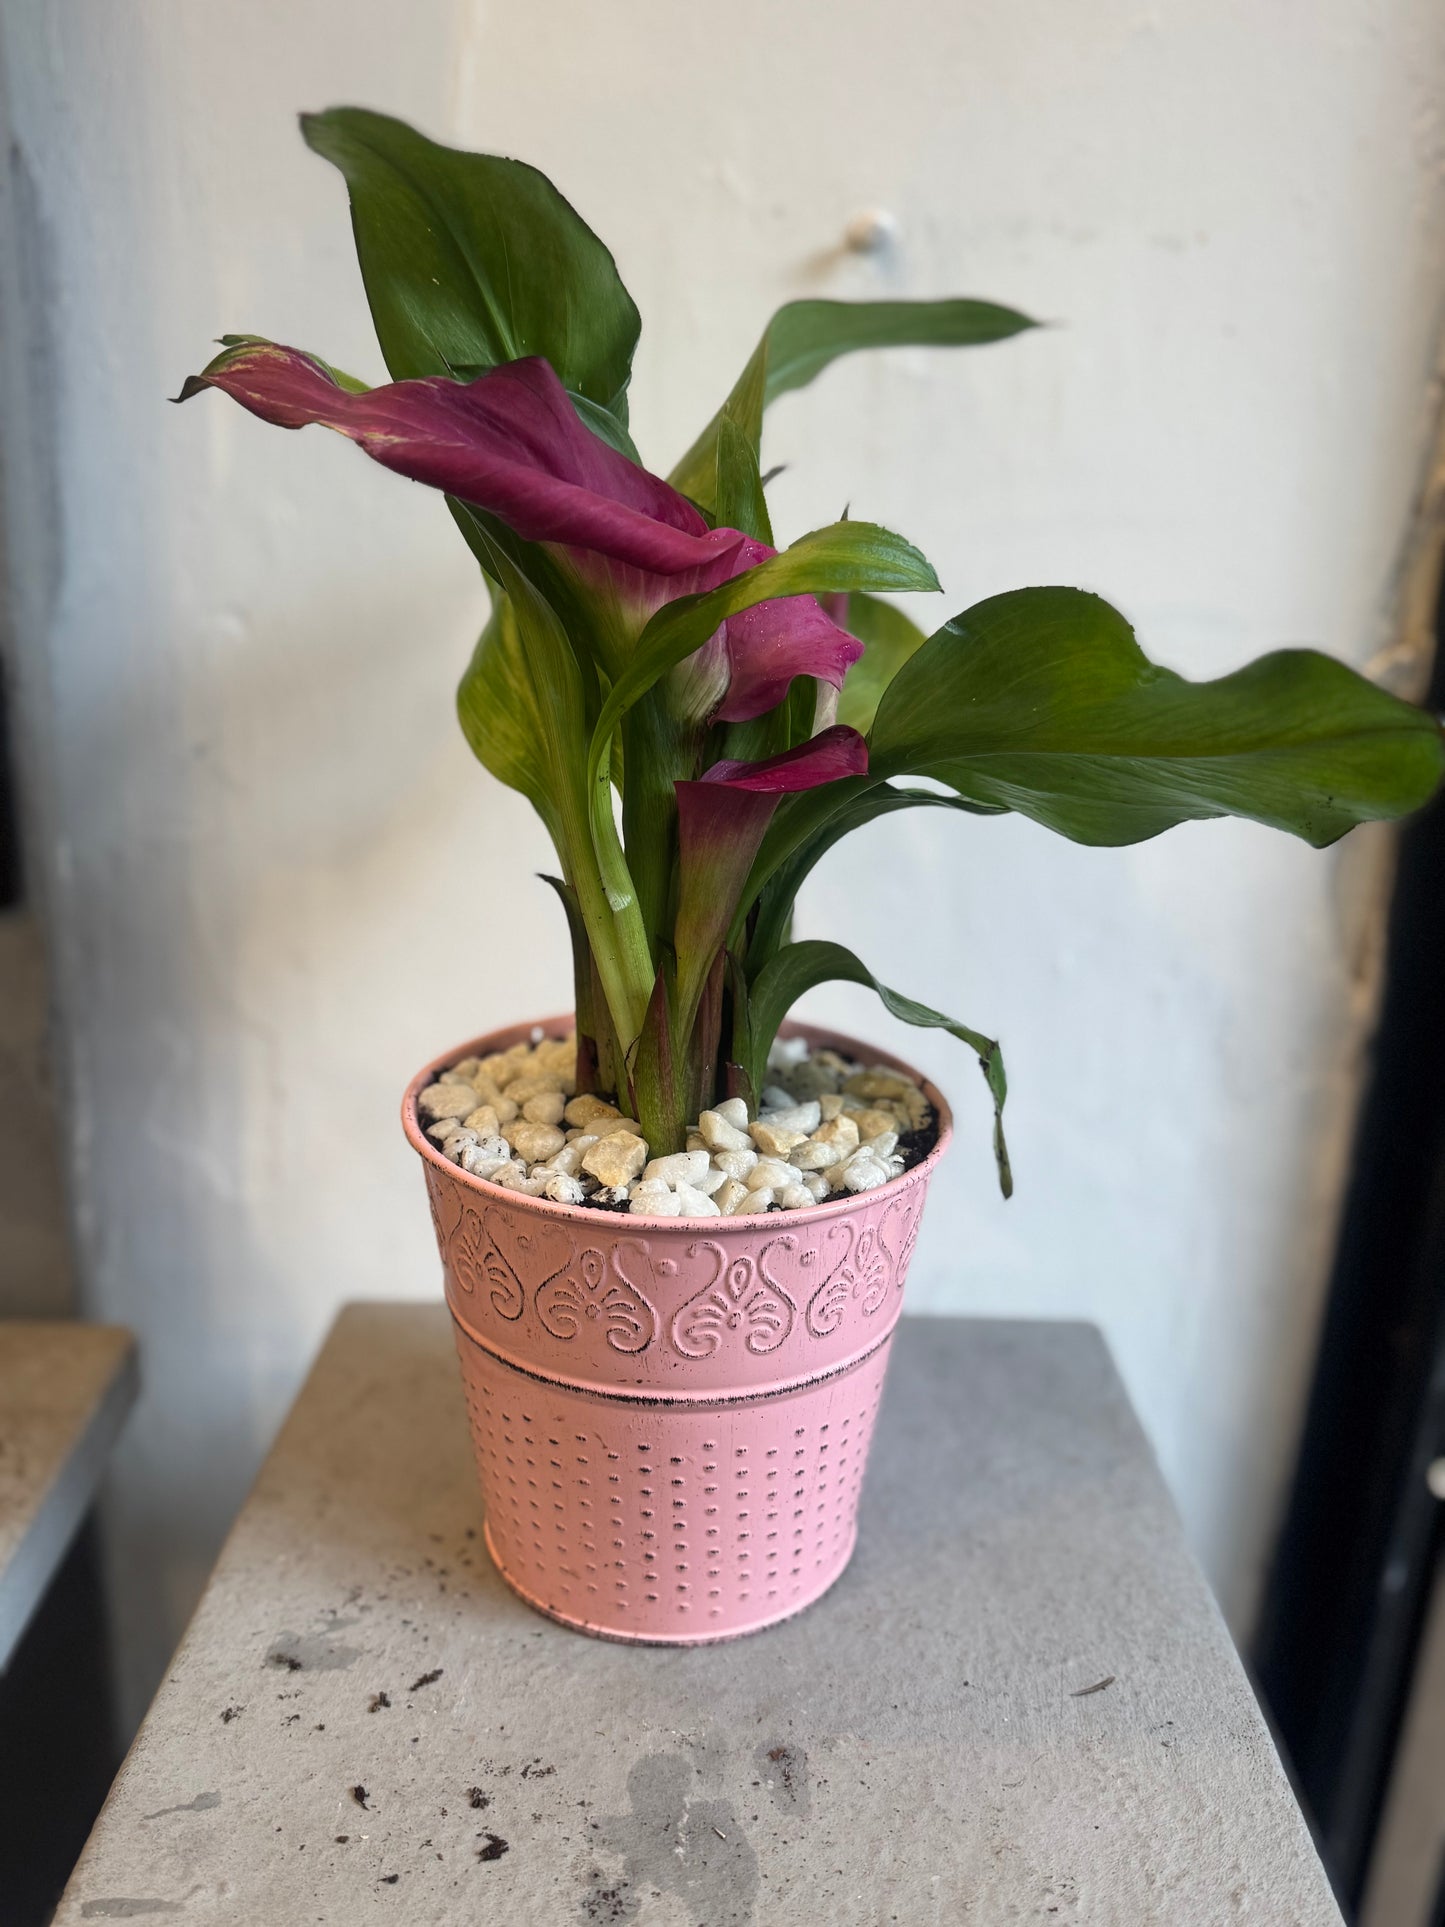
[(427, 1679), (493, 1847), (360, 1795)]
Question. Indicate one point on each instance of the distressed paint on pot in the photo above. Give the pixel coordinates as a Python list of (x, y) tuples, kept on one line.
[(671, 1417)]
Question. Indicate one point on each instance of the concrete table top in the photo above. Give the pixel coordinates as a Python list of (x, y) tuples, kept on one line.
[(65, 1391), (1018, 1703)]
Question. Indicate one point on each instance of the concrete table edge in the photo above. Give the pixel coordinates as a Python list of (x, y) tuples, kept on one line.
[(78, 1461)]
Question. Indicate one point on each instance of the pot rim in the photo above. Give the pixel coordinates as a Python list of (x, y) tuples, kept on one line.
[(818, 1034)]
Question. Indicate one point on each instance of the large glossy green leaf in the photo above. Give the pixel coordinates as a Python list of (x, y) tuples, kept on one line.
[(803, 337), (470, 260), (799, 967), (889, 638), (1042, 702), (843, 556)]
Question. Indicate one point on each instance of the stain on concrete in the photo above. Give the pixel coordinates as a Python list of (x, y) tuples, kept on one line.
[(783, 1770), (310, 1653), (674, 1842), (126, 1909), (203, 1803)]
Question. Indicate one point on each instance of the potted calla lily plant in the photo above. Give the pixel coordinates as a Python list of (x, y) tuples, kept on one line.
[(674, 1226)]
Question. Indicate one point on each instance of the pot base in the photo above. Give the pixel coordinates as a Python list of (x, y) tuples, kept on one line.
[(673, 1522), (660, 1639)]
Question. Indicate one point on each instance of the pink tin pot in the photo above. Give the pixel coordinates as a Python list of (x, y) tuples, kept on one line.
[(671, 1417)]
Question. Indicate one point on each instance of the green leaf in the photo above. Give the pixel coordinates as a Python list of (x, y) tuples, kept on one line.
[(738, 500), (846, 555), (470, 260), (889, 638), (803, 337), (500, 713), (799, 967), (1041, 701), (798, 838)]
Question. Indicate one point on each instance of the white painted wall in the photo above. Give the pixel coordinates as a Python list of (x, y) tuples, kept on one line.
[(274, 876)]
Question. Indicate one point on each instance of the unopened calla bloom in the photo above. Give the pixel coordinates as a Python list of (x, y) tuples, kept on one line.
[(511, 443)]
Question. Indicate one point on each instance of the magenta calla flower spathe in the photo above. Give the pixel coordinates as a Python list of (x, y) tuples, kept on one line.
[(512, 443), (722, 818)]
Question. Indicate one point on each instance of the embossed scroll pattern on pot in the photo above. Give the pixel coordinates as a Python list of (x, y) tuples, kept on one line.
[(618, 1290)]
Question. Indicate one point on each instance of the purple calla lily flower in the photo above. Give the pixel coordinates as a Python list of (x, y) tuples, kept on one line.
[(511, 443), (721, 821)]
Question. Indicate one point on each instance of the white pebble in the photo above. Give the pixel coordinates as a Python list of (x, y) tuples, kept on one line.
[(511, 1175), (710, 1180), (815, 1182), (757, 1200), (719, 1135), (775, 1098), (734, 1111), (695, 1142), (771, 1174), (863, 1172), (681, 1167), (653, 1201), (883, 1146), (737, 1164), (448, 1127), (794, 1197), (788, 1050), (798, 1117), (692, 1203), (563, 1189)]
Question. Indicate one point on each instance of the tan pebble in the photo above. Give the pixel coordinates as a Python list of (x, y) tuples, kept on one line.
[(774, 1140), (484, 1121), (441, 1132), (505, 1107), (841, 1130), (466, 1069), (545, 1108), (534, 1084), (536, 1141), (582, 1110), (729, 1195), (814, 1155), (830, 1104), (697, 1142), (871, 1122), (878, 1082), (617, 1158), (447, 1100)]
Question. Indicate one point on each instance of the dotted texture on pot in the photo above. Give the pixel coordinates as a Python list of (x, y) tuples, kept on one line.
[(671, 1523)]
